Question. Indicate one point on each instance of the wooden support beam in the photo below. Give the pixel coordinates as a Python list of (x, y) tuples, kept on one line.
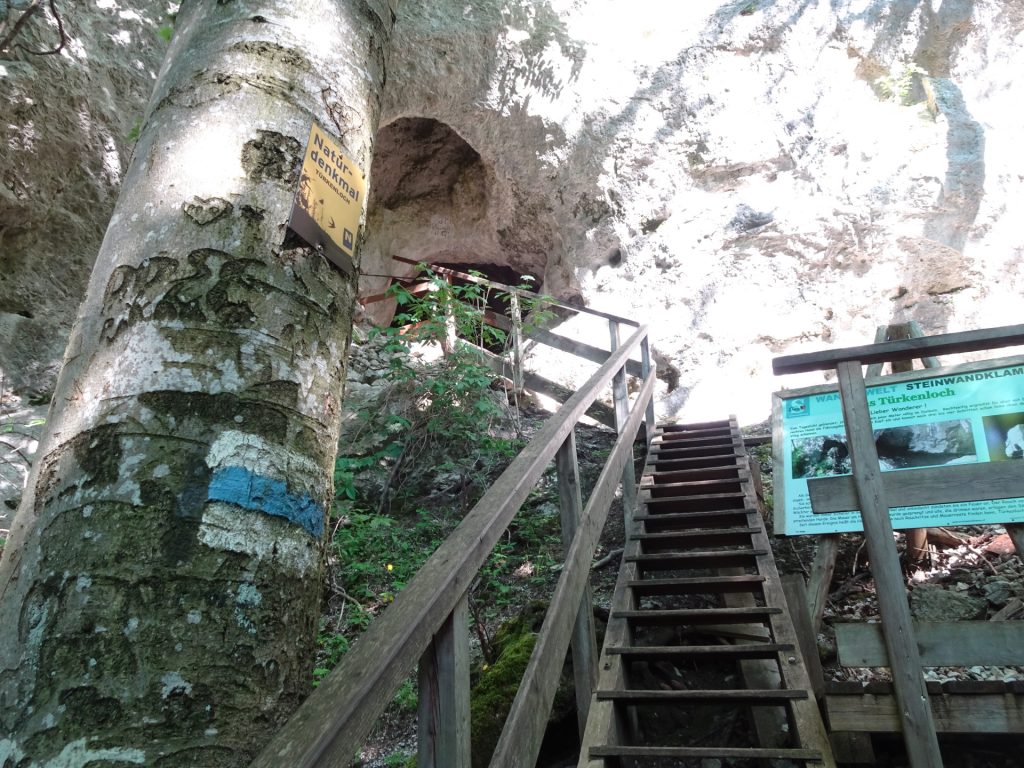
[(942, 344), (950, 484), (584, 638), (918, 728), (960, 713), (443, 709), (941, 644), (620, 395), (822, 570), (807, 638)]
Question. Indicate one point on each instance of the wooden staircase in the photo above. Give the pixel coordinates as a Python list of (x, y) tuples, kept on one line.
[(699, 633)]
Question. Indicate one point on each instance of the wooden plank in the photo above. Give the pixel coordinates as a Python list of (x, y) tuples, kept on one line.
[(335, 718), (941, 344), (941, 644), (584, 638), (597, 410), (520, 740), (918, 729), (796, 599), (980, 713), (822, 569), (948, 484), (736, 695), (443, 723), (736, 753), (850, 747)]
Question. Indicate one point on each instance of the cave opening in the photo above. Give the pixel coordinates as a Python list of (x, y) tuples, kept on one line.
[(435, 200)]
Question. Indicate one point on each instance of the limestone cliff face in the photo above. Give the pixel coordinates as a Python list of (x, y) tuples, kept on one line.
[(748, 177), (66, 121)]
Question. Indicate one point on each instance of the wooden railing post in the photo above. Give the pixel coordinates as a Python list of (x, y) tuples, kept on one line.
[(904, 657), (645, 368), (584, 639), (443, 730), (621, 396), (517, 342)]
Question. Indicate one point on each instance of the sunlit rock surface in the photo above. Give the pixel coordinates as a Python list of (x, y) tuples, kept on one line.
[(749, 178), (66, 130)]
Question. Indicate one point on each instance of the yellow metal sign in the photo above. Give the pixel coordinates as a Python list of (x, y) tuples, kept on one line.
[(329, 202)]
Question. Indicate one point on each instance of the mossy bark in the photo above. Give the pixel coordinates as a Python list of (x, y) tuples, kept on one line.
[(160, 589)]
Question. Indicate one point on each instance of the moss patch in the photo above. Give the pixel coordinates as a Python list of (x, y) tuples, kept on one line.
[(496, 684)]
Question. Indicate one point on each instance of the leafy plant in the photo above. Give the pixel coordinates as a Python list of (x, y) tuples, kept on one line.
[(898, 85)]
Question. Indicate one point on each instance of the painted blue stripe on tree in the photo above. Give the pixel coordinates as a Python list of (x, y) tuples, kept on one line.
[(239, 486)]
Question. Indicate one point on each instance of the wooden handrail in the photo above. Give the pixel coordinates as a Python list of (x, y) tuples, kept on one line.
[(520, 740), (905, 349), (332, 723)]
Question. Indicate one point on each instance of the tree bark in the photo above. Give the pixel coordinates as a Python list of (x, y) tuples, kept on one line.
[(159, 592)]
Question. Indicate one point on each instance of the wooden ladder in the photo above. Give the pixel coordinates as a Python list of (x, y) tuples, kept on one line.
[(699, 623)]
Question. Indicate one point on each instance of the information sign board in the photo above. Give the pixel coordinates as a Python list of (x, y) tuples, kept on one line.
[(329, 201), (961, 414)]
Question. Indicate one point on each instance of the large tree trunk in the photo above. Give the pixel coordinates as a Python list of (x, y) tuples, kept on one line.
[(159, 591)]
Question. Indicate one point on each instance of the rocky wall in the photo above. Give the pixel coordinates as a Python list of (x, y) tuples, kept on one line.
[(67, 125)]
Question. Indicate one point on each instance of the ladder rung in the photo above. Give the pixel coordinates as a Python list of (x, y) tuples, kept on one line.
[(670, 561), (696, 586), (693, 616), (750, 753), (741, 651), (754, 695), (733, 472), (654, 542), (676, 520)]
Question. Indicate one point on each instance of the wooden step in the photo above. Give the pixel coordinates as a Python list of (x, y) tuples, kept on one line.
[(697, 425), (685, 520), (707, 503), (735, 753), (676, 464), (683, 440), (696, 616), (695, 585), (708, 473), (680, 540), (741, 651), (733, 695), (678, 561), (699, 488), (661, 452)]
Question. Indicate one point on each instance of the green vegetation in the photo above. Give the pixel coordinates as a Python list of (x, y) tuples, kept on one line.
[(898, 85), (417, 458)]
